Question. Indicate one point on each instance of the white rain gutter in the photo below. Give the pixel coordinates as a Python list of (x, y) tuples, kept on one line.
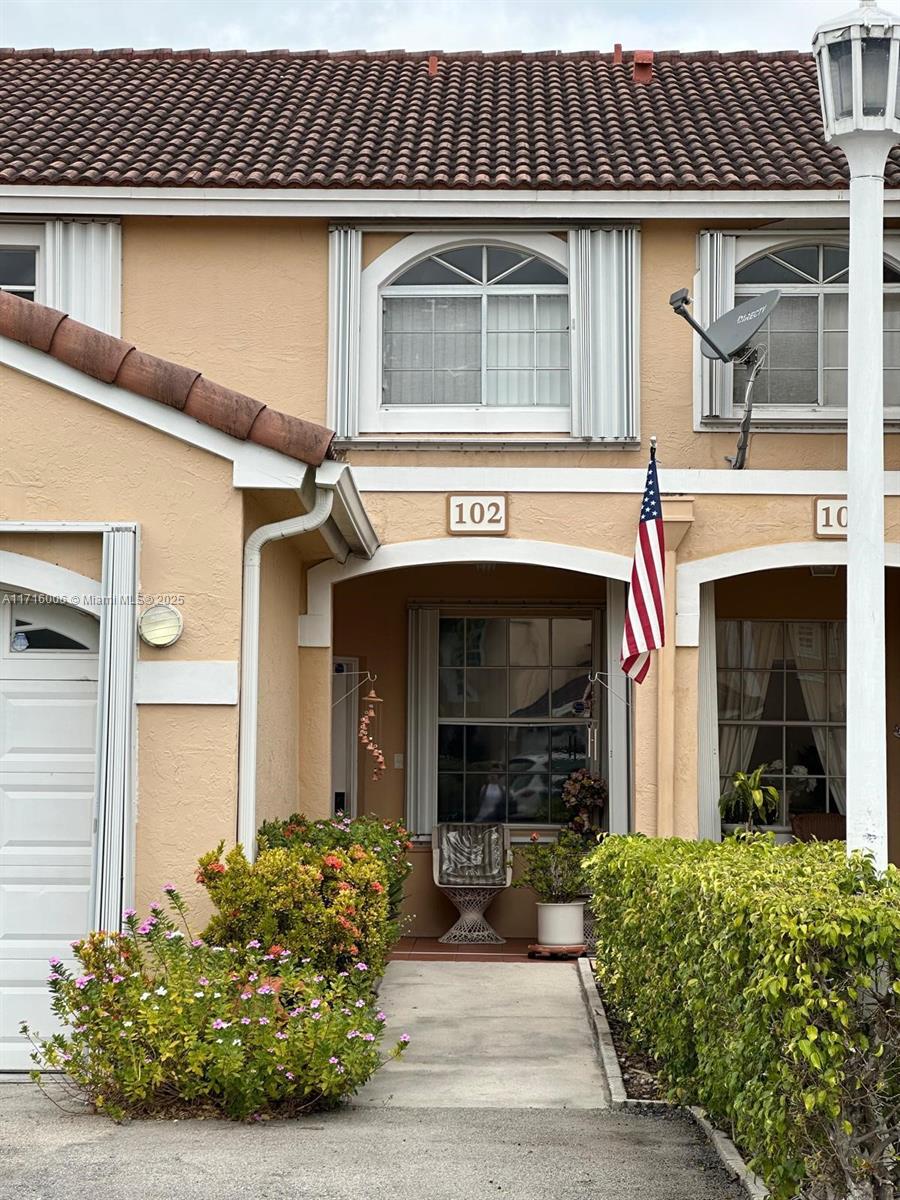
[(249, 699)]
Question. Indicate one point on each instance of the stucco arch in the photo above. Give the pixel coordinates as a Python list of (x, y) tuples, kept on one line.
[(692, 575), (35, 575), (315, 626)]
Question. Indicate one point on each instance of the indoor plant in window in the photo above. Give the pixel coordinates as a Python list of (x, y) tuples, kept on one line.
[(553, 871), (750, 801)]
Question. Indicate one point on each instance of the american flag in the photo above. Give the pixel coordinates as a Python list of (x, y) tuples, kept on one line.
[(645, 618)]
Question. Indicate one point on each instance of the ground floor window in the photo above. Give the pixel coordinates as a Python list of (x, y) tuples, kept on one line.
[(515, 713), (782, 701)]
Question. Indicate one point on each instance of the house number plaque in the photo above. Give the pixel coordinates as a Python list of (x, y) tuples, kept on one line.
[(830, 517), (477, 513)]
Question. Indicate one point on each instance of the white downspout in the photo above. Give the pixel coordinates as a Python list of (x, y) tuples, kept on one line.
[(249, 700)]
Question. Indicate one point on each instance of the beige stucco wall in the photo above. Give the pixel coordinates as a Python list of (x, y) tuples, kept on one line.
[(245, 302), (72, 460)]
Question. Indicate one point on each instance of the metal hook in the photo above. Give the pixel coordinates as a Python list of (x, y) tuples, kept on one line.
[(367, 677)]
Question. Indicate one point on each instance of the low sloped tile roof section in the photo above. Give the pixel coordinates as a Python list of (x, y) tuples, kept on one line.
[(276, 119), (114, 361)]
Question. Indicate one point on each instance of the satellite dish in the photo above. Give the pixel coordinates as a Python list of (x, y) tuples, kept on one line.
[(733, 331), (726, 340)]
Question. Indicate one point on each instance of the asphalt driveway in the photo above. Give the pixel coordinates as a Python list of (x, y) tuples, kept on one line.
[(499, 1094)]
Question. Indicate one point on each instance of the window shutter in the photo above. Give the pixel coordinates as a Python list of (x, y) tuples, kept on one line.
[(604, 282), (422, 722), (84, 271), (714, 295), (344, 273)]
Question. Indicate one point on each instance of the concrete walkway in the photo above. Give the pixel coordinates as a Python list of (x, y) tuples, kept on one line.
[(487, 1035)]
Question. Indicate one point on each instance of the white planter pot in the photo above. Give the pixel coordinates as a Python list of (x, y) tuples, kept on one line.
[(561, 924)]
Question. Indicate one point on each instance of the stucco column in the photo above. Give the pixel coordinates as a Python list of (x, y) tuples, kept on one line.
[(678, 514)]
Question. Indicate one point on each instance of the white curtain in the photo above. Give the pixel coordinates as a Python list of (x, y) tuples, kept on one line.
[(762, 643), (809, 650)]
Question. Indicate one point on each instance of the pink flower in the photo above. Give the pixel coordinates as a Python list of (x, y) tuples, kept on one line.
[(218, 1023), (118, 978), (52, 977), (83, 980), (282, 1037), (368, 1037), (404, 1038), (196, 942), (169, 888), (54, 961), (265, 990), (361, 967), (289, 1075), (203, 981), (314, 1003), (245, 1020), (253, 945), (381, 1016), (246, 995), (334, 1061), (155, 906), (129, 913), (263, 1020)]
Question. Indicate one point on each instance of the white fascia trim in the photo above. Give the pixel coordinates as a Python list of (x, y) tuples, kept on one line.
[(315, 624), (349, 513), (35, 575), (186, 682), (376, 203), (691, 575), (600, 480), (254, 466)]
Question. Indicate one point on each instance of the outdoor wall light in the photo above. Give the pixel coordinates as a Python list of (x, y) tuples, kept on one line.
[(857, 58), (160, 626)]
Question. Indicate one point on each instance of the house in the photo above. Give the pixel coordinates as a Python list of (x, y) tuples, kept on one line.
[(336, 373)]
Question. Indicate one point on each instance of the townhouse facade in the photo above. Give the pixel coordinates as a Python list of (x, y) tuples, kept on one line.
[(329, 375)]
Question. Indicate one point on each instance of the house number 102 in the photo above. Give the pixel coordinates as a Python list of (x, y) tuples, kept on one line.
[(482, 515)]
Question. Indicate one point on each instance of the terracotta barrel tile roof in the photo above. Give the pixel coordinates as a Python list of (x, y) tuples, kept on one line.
[(195, 118), (114, 361)]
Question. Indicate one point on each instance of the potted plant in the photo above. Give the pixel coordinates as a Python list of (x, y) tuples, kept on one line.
[(553, 871), (748, 800)]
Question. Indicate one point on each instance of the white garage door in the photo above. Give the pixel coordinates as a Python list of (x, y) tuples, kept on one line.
[(48, 705)]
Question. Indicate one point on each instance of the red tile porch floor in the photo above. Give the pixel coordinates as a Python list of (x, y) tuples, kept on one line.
[(421, 949)]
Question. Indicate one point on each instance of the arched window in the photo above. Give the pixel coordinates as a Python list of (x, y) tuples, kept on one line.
[(806, 336), (477, 325)]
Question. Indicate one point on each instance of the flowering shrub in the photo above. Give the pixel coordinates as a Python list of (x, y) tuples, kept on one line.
[(387, 840), (158, 1020), (330, 908), (766, 981)]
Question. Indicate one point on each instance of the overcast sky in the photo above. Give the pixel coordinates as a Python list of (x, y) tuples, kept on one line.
[(416, 24)]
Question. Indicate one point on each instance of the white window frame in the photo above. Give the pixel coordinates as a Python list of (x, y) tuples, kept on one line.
[(378, 418), (79, 266), (26, 236), (722, 254)]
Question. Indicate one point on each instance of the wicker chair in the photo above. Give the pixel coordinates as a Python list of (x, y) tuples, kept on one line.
[(472, 864), (823, 827)]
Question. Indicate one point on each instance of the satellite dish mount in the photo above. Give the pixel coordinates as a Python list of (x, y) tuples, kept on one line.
[(728, 341)]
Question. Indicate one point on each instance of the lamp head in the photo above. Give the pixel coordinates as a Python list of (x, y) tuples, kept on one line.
[(857, 57)]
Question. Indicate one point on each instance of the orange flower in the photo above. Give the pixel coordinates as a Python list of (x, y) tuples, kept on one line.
[(332, 860), (376, 886)]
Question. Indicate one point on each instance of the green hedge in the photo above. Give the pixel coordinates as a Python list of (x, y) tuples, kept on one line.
[(766, 980)]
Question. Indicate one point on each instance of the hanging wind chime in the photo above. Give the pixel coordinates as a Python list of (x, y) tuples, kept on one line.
[(369, 728)]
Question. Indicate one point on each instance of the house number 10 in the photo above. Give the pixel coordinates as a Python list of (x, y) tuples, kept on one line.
[(477, 514)]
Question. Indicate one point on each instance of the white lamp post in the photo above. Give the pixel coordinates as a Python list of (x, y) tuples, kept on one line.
[(857, 57)]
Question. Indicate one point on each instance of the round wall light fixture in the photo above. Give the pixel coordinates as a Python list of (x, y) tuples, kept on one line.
[(160, 626)]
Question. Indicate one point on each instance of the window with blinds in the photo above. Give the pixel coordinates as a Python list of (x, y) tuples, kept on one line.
[(477, 325)]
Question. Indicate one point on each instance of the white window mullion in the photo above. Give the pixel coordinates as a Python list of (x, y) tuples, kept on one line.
[(83, 271)]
